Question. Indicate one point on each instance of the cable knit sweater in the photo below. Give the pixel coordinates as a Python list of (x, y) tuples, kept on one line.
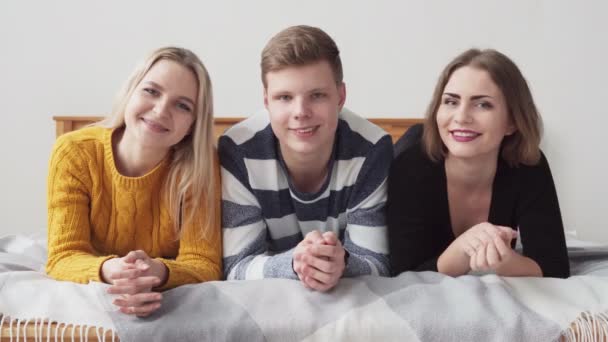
[(95, 213)]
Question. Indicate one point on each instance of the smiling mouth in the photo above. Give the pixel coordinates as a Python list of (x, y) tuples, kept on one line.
[(464, 136), (154, 126), (305, 131)]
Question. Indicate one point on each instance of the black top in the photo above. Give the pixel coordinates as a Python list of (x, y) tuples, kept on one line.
[(418, 213)]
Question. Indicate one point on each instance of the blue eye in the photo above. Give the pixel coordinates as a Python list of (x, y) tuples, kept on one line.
[(485, 105), (151, 91), (184, 107), (449, 101)]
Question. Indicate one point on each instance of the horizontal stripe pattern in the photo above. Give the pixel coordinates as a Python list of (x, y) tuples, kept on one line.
[(264, 218)]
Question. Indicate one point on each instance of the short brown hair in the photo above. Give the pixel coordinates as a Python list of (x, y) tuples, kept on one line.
[(519, 147), (300, 45)]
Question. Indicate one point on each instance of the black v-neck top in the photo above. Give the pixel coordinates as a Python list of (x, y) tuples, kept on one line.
[(418, 214)]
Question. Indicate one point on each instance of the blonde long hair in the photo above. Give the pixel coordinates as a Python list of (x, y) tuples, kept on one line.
[(191, 184)]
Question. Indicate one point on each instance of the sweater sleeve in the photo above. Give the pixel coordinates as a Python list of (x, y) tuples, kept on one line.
[(365, 237), (245, 232), (71, 255), (415, 213), (540, 221), (199, 257)]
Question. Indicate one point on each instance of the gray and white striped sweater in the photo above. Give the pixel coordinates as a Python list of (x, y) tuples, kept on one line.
[(264, 217)]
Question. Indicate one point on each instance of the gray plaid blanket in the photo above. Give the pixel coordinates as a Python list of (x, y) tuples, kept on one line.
[(412, 307)]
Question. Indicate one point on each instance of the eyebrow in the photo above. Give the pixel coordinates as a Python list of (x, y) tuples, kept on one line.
[(315, 90), (474, 97), (156, 85)]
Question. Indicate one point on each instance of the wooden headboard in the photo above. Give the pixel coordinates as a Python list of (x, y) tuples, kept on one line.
[(394, 127)]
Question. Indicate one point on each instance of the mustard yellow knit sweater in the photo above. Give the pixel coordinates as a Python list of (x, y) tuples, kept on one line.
[(95, 213)]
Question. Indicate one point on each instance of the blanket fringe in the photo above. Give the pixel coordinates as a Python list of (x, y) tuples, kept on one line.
[(17, 330), (588, 327)]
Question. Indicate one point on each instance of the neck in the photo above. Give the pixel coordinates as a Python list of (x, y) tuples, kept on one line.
[(308, 171), (132, 159), (472, 174)]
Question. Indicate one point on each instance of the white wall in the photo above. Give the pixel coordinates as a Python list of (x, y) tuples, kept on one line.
[(70, 57)]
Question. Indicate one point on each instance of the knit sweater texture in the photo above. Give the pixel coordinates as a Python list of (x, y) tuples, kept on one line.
[(95, 213)]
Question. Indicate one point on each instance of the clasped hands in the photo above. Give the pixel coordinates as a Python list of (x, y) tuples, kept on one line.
[(319, 260), (133, 278), (488, 246)]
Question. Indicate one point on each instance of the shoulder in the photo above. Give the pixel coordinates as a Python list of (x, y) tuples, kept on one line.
[(251, 138), (540, 168), (415, 162), (530, 175), (357, 137), (82, 141), (248, 128), (355, 124)]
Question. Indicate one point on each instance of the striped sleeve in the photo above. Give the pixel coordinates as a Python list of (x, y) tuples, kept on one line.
[(365, 237), (245, 232)]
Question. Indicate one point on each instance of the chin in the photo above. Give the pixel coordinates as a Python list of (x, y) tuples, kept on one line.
[(154, 142), (460, 155), (463, 152), (303, 149)]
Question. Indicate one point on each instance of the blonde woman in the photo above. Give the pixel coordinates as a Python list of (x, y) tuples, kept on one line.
[(477, 180), (134, 200)]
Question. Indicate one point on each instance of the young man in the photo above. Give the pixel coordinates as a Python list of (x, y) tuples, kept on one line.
[(304, 184)]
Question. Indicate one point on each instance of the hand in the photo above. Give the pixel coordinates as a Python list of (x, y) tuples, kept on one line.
[(462, 255), (117, 268), (133, 277), (492, 256), (480, 235), (140, 304), (319, 260)]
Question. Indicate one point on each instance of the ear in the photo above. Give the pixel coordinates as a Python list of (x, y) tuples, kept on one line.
[(266, 98), (342, 94), (510, 128)]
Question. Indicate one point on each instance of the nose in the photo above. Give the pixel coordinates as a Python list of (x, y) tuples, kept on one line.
[(462, 115), (162, 106), (301, 109)]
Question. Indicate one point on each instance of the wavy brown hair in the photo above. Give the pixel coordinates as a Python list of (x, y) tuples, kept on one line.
[(521, 147)]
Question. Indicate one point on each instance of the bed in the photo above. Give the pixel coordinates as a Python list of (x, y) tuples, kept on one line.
[(393, 126), (86, 313), (65, 124)]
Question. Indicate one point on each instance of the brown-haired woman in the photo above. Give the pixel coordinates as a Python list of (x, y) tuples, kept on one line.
[(459, 197)]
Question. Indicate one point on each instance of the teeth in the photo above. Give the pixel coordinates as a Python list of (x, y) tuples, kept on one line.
[(464, 134), (155, 125), (305, 130)]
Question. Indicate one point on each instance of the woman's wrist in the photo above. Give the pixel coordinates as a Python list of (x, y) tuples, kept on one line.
[(161, 271), (519, 266), (453, 261)]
